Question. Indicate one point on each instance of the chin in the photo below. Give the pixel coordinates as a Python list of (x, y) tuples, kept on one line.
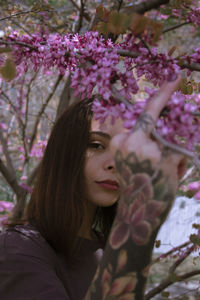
[(106, 202)]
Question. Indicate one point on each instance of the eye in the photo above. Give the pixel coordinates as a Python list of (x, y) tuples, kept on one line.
[(96, 145)]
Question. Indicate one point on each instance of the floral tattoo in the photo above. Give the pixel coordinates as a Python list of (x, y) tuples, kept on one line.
[(145, 201)]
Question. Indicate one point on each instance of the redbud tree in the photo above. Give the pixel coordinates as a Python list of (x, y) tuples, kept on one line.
[(113, 51)]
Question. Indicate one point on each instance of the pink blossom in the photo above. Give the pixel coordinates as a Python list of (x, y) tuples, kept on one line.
[(197, 195), (6, 206)]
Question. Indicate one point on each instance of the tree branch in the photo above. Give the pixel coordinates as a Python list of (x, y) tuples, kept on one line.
[(32, 175), (128, 53), (10, 177), (175, 26), (144, 6), (13, 107), (181, 259), (10, 43), (86, 16), (25, 12), (167, 282), (119, 97), (192, 67), (6, 153), (170, 252), (167, 144), (42, 111), (178, 149), (26, 115), (81, 15)]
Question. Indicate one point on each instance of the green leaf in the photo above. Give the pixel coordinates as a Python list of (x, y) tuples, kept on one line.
[(5, 49), (118, 22), (189, 89), (165, 294), (8, 70), (195, 239), (102, 13), (173, 277), (157, 243), (102, 28)]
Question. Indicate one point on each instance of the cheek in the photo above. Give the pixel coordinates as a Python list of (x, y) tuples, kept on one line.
[(90, 165)]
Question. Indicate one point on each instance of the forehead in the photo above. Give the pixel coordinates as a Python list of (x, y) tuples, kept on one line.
[(108, 127)]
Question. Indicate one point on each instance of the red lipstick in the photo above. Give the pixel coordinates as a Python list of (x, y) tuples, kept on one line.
[(109, 184)]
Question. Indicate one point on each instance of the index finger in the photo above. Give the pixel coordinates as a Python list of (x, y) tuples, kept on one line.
[(154, 107)]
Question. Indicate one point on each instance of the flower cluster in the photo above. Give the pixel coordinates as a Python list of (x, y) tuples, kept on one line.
[(136, 220), (194, 15), (5, 210), (177, 123), (156, 67), (97, 67), (38, 149), (195, 188), (94, 61)]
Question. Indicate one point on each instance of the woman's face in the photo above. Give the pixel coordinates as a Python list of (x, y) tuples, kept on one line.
[(102, 184)]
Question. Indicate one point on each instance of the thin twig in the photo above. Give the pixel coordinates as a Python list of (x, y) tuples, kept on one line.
[(9, 176), (155, 134), (168, 281), (10, 43), (128, 53), (119, 97), (42, 111), (144, 6), (181, 259), (192, 66), (175, 26), (25, 12), (22, 27), (6, 153), (175, 249), (32, 175), (81, 14), (14, 108), (86, 16), (177, 149)]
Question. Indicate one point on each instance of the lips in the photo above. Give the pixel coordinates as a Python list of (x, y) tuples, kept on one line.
[(109, 184)]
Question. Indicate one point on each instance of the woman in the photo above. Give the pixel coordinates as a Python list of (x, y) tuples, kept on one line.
[(85, 182)]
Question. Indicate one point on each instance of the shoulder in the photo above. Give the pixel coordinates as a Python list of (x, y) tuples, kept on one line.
[(27, 267), (25, 240)]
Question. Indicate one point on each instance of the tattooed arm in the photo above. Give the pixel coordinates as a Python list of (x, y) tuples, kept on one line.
[(149, 177)]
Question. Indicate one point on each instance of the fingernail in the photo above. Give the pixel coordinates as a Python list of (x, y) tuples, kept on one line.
[(172, 77)]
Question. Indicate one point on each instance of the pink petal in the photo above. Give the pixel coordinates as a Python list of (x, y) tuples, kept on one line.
[(141, 233), (105, 290), (131, 285), (106, 277), (119, 235), (128, 296), (138, 216), (122, 260), (154, 208), (119, 285), (143, 180), (132, 209)]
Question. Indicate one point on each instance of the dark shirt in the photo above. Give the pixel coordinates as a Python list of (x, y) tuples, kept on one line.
[(31, 270)]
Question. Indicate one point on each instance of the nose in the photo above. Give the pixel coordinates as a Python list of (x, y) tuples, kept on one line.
[(109, 163)]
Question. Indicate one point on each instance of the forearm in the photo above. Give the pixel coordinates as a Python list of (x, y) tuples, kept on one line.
[(144, 204)]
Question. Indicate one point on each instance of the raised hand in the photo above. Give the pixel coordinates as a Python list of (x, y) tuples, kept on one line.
[(149, 176)]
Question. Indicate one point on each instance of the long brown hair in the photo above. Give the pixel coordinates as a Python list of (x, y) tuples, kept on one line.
[(57, 203)]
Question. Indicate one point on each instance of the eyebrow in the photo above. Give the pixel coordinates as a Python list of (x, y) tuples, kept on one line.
[(101, 133)]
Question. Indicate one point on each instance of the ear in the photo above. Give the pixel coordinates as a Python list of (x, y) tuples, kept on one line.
[(182, 167)]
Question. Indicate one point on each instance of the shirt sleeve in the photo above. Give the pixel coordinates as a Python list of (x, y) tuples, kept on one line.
[(27, 272), (26, 278)]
